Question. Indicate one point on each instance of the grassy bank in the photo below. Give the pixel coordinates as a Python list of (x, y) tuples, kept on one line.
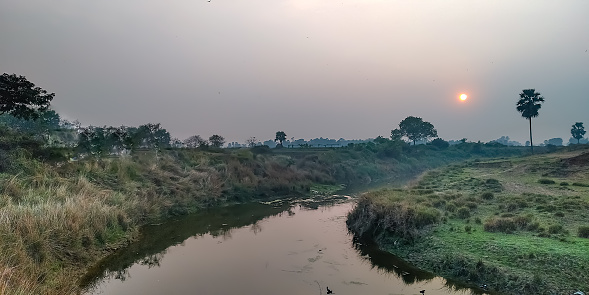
[(58, 217), (517, 225)]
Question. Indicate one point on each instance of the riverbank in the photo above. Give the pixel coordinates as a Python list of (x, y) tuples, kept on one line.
[(518, 226), (60, 217)]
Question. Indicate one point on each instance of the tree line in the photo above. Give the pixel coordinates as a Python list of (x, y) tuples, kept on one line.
[(25, 107)]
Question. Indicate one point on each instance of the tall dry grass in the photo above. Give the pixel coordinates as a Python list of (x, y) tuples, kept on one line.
[(57, 220)]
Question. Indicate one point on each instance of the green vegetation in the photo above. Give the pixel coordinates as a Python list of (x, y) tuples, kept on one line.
[(414, 128), (61, 215), (578, 131), (494, 222), (21, 98)]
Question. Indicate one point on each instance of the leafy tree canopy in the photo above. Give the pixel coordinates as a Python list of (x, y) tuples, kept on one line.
[(21, 98), (217, 140), (280, 136), (414, 128), (196, 141), (578, 131)]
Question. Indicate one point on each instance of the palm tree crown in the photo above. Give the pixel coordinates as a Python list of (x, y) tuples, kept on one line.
[(529, 103)]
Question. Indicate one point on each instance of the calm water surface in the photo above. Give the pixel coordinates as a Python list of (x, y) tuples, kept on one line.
[(279, 248)]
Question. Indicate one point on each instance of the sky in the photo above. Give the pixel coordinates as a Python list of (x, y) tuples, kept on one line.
[(312, 68)]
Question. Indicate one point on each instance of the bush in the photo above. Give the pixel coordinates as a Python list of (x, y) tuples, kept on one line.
[(580, 184), (440, 143), (556, 229), (583, 232), (546, 181), (487, 196), (451, 207), (504, 225), (564, 183), (463, 213)]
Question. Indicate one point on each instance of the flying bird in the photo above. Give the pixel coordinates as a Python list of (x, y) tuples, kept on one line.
[(422, 291), (329, 291)]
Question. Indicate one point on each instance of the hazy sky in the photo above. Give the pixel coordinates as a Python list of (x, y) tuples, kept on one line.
[(312, 68)]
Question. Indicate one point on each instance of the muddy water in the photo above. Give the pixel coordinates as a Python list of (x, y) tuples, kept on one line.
[(274, 248)]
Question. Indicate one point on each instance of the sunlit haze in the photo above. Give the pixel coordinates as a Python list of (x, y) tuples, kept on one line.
[(348, 68)]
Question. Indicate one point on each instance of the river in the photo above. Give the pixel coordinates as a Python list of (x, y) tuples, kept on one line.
[(287, 248)]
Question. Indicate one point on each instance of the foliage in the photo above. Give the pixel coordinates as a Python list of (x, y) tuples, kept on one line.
[(21, 98), (195, 141), (217, 140), (280, 137), (440, 143), (528, 105), (578, 131), (251, 142), (583, 232), (414, 128)]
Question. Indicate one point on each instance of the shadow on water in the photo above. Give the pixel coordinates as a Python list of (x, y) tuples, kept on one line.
[(156, 239), (386, 262)]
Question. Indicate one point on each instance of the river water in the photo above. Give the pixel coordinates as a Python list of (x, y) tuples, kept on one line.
[(288, 248)]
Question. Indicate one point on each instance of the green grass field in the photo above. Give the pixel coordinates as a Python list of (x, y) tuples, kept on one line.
[(518, 225)]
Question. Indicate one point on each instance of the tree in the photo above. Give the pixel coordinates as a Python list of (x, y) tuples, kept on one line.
[(195, 141), (217, 140), (153, 136), (280, 137), (251, 142), (578, 131), (440, 143), (21, 98), (528, 105), (414, 128)]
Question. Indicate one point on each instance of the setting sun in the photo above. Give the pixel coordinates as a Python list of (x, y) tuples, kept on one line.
[(463, 96)]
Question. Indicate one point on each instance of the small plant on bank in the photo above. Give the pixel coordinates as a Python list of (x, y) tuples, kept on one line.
[(583, 232), (556, 229), (546, 181), (463, 213), (487, 196)]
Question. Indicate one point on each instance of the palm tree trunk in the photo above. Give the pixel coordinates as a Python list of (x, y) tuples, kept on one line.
[(531, 142)]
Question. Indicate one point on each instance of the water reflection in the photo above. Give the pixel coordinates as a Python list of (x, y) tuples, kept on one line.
[(285, 247), (156, 239)]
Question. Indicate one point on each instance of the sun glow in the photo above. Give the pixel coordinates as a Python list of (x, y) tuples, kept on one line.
[(463, 97)]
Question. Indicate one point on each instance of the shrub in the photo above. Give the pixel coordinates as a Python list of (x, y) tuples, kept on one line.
[(580, 184), (463, 213), (487, 196), (559, 214), (556, 229), (451, 207), (546, 181), (504, 225), (583, 232), (564, 183)]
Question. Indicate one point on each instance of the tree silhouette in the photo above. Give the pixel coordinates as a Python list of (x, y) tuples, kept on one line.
[(578, 131), (21, 98), (217, 140), (195, 141), (280, 137), (415, 129), (528, 105)]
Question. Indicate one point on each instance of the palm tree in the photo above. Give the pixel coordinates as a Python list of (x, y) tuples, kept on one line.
[(528, 105)]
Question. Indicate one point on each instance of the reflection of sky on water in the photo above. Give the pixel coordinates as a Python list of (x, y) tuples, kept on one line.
[(259, 249)]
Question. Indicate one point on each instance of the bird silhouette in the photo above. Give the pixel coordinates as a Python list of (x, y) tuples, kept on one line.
[(329, 291), (422, 291)]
